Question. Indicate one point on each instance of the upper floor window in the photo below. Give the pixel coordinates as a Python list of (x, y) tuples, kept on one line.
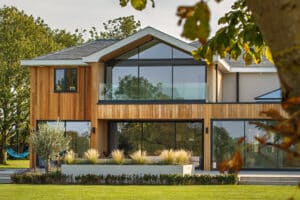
[(154, 71), (65, 80)]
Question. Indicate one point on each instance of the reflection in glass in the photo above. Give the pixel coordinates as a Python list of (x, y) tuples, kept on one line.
[(124, 82), (155, 50), (125, 136), (59, 79), (181, 54), (155, 83), (189, 82), (189, 137), (80, 134), (65, 80), (256, 156), (225, 137), (79, 131), (71, 79), (154, 137), (158, 136), (152, 72)]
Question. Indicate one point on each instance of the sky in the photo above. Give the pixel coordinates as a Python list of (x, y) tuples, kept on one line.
[(84, 14)]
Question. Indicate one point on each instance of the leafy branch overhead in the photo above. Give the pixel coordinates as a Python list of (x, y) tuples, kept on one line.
[(238, 36)]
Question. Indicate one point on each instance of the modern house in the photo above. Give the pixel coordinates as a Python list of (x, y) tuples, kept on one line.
[(147, 92)]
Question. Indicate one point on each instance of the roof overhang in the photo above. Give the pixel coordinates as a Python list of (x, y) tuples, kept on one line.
[(53, 63), (249, 69)]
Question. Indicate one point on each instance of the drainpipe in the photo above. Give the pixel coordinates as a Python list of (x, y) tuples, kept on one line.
[(237, 87), (216, 68)]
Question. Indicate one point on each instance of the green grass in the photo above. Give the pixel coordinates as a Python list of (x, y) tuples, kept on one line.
[(16, 164), (77, 192)]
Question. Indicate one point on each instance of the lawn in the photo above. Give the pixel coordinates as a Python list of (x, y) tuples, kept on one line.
[(76, 192), (16, 164)]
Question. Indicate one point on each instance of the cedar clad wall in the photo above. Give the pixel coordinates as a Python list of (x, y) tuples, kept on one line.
[(45, 104), (184, 111)]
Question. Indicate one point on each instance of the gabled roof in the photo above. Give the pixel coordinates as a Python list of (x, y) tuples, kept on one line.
[(139, 35), (94, 50)]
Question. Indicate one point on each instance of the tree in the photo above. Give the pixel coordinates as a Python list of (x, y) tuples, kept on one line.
[(117, 28), (254, 28), (48, 142), (22, 37)]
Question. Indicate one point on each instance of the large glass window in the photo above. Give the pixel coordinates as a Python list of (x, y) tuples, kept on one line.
[(155, 83), (79, 131), (155, 50), (123, 83), (65, 80), (154, 137), (225, 135), (189, 82), (155, 71)]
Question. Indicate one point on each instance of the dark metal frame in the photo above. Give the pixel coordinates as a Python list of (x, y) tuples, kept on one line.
[(161, 121), (152, 63), (64, 87)]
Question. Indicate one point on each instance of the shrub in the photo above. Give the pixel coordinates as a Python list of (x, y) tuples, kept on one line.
[(117, 156), (182, 157), (69, 157), (33, 178), (92, 155), (172, 179), (167, 156), (139, 157)]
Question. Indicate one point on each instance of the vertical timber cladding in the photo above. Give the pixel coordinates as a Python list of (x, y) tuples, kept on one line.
[(185, 112), (45, 104)]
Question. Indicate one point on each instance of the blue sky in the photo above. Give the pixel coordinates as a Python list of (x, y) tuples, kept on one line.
[(83, 14)]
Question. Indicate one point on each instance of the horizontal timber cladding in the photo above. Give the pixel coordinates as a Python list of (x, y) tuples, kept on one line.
[(184, 111), (49, 105)]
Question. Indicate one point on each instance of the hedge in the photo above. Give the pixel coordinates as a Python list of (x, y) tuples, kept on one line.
[(58, 178)]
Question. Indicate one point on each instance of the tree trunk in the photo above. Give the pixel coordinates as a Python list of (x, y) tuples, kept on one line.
[(3, 154), (279, 22), (47, 166)]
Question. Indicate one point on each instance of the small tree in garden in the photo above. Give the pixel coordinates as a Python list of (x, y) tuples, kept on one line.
[(47, 142)]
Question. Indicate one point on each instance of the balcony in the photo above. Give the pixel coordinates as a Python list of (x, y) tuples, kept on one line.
[(136, 93)]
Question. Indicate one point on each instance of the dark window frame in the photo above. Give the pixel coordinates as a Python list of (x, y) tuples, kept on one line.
[(173, 62), (65, 90), (160, 121)]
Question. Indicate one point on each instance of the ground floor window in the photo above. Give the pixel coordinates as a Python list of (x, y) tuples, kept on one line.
[(225, 134), (154, 137), (79, 131)]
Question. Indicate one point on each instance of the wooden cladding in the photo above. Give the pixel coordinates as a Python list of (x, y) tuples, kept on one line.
[(183, 111), (48, 105)]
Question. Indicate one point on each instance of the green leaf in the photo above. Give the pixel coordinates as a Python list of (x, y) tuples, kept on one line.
[(139, 4), (123, 3), (196, 25), (247, 58)]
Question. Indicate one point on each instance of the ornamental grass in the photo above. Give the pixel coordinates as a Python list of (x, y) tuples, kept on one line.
[(118, 156), (92, 155)]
